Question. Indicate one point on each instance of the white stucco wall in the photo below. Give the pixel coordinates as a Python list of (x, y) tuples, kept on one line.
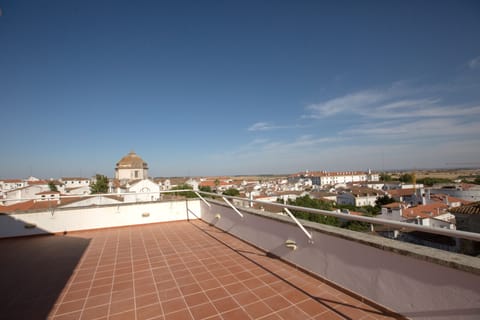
[(74, 219)]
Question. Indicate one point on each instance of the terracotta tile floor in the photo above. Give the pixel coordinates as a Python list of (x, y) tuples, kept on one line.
[(189, 270)]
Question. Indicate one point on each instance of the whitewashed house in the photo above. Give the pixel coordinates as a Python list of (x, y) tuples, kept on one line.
[(359, 197), (144, 190)]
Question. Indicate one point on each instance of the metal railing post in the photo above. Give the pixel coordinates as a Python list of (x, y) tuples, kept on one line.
[(308, 234), (232, 206), (201, 198)]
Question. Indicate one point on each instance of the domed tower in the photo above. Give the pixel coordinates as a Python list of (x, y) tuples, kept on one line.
[(131, 167)]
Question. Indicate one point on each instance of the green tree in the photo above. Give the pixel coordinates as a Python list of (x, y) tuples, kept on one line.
[(217, 183), (231, 192), (100, 185), (308, 202), (370, 211), (385, 177), (205, 188), (187, 194), (406, 178), (431, 181), (383, 200), (357, 226), (52, 186)]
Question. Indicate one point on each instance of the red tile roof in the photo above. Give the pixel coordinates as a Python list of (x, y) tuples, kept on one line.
[(29, 205), (440, 197), (11, 180), (363, 192), (425, 211), (393, 205), (211, 183), (401, 192), (472, 208), (39, 182)]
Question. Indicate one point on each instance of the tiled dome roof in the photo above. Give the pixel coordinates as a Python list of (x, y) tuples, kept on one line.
[(132, 161)]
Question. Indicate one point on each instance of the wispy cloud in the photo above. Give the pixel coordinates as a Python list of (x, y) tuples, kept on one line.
[(280, 147), (474, 63), (399, 112), (439, 128), (390, 103), (260, 126), (267, 126), (351, 102)]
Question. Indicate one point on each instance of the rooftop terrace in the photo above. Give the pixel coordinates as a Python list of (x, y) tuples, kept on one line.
[(211, 259), (174, 270)]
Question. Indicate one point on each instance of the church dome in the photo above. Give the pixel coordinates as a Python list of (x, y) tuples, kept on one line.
[(132, 161)]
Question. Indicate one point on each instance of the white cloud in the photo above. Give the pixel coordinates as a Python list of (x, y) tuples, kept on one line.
[(354, 102), (432, 129), (266, 126), (260, 126), (474, 63), (396, 102)]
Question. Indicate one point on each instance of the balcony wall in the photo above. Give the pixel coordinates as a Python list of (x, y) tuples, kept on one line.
[(61, 220), (418, 282)]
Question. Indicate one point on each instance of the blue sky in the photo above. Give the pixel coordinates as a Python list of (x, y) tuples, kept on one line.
[(238, 87)]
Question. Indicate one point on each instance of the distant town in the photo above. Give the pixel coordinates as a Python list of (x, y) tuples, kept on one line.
[(441, 199)]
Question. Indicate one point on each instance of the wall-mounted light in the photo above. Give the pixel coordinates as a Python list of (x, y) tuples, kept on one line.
[(291, 244)]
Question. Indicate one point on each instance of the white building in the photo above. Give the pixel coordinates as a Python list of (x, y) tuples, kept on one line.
[(75, 182), (131, 167), (145, 190), (11, 184), (359, 197), (323, 178), (28, 192)]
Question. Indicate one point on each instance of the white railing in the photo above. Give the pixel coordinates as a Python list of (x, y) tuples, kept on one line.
[(372, 220), (282, 207)]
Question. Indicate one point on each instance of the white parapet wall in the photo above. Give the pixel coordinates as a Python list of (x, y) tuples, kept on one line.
[(85, 218), (417, 282)]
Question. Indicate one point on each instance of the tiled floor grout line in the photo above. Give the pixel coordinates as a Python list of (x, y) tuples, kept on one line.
[(202, 290), (151, 272), (71, 281), (114, 269), (171, 273), (94, 275), (242, 306), (133, 272), (210, 301)]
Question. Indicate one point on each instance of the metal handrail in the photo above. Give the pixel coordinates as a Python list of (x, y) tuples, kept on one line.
[(372, 220)]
